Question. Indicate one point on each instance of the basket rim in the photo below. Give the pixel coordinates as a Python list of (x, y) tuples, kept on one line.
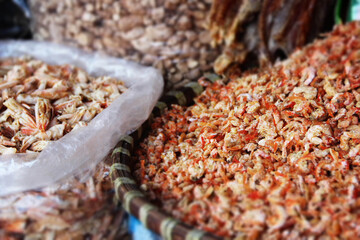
[(127, 190)]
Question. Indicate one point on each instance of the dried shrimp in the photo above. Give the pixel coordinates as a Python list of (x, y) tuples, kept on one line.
[(273, 154)]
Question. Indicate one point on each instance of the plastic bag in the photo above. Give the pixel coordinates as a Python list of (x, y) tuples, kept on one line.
[(74, 209), (169, 35), (84, 148), (14, 19)]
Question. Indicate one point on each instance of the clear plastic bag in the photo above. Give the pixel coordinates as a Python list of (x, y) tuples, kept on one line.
[(84, 148), (170, 35), (65, 192), (74, 209)]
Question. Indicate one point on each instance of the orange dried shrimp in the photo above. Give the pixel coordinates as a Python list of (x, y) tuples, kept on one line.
[(274, 154)]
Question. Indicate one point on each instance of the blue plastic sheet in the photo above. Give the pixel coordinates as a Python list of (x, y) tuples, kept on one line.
[(139, 232)]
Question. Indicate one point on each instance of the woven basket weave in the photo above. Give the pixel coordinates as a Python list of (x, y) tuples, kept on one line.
[(126, 188)]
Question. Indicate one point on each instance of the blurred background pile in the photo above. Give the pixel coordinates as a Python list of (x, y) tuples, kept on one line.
[(182, 38)]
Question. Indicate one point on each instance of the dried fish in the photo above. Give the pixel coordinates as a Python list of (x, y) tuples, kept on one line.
[(258, 32)]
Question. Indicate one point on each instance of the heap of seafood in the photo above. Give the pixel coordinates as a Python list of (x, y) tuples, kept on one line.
[(274, 154), (40, 103)]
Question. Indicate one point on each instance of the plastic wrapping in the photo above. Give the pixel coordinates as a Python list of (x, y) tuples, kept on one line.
[(74, 209), (84, 148), (170, 35)]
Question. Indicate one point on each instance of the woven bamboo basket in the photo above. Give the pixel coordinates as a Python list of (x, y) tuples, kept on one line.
[(127, 190)]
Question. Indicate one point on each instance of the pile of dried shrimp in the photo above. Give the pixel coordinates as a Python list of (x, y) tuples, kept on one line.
[(40, 103), (274, 154)]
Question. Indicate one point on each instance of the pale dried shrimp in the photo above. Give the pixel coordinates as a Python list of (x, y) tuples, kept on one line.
[(41, 102)]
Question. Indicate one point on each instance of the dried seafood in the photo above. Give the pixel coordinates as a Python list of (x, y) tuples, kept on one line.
[(170, 35), (274, 155), (260, 31), (41, 103)]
